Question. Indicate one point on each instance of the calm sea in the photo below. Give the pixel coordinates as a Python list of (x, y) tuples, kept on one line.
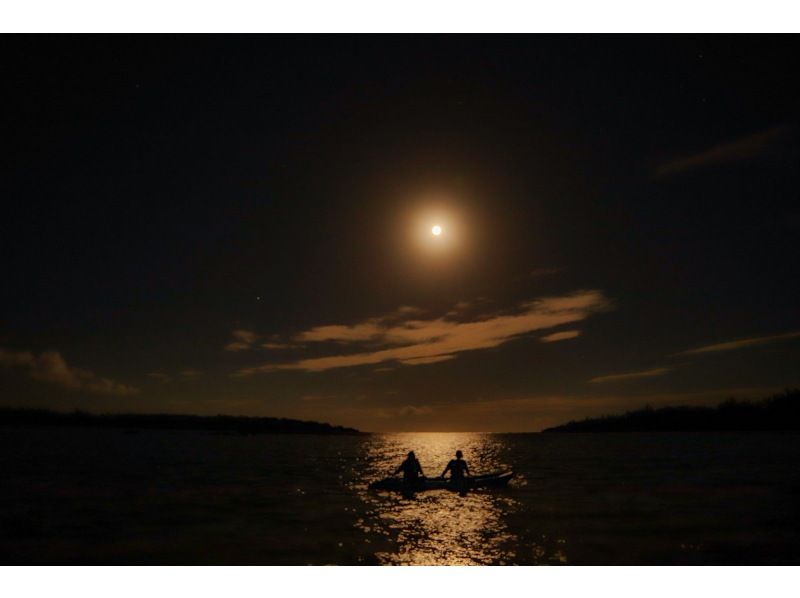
[(105, 496)]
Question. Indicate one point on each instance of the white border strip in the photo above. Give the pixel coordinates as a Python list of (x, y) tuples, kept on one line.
[(399, 582), (424, 16)]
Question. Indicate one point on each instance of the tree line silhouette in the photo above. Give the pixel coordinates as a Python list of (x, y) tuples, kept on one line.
[(780, 412), (165, 421)]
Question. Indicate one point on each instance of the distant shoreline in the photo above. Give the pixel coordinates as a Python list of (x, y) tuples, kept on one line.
[(779, 413), (170, 422)]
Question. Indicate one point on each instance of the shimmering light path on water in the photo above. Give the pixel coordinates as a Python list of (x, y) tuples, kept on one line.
[(438, 527)]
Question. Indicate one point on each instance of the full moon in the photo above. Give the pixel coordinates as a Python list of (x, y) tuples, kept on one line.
[(437, 230)]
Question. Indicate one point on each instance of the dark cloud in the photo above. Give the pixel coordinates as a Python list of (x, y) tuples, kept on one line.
[(742, 343), (744, 148), (242, 340), (651, 373), (560, 336), (50, 366)]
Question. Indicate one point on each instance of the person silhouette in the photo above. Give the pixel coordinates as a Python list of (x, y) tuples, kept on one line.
[(411, 469), (457, 467)]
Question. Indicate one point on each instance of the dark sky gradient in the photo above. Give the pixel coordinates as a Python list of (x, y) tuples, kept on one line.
[(162, 193)]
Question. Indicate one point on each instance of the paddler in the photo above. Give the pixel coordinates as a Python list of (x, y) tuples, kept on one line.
[(411, 469), (457, 467)]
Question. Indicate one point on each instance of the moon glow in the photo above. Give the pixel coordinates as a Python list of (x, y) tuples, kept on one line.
[(436, 230)]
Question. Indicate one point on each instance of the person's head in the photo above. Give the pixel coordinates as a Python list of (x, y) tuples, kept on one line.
[(459, 454), (411, 455)]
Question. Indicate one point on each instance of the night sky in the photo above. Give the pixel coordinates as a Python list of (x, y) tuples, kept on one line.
[(243, 226)]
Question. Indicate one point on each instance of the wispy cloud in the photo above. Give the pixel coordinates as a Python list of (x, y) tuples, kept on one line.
[(190, 373), (246, 340), (186, 374), (424, 360), (744, 148), (393, 413), (50, 366), (242, 340), (373, 329), (414, 410), (560, 336), (470, 310), (630, 375), (364, 331), (422, 341), (742, 343), (318, 397)]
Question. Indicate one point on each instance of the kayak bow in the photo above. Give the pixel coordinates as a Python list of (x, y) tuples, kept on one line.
[(491, 480)]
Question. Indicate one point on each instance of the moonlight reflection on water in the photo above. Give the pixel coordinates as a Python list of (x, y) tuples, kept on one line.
[(438, 527)]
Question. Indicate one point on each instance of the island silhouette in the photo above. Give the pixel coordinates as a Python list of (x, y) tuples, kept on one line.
[(166, 421), (779, 412)]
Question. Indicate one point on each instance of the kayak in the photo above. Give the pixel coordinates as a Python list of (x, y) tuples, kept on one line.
[(492, 480)]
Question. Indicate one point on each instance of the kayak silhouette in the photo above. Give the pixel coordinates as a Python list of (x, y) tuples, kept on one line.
[(491, 480)]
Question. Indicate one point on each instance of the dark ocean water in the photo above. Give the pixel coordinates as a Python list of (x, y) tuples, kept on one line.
[(105, 496)]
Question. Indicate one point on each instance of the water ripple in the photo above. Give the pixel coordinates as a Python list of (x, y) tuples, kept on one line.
[(436, 527)]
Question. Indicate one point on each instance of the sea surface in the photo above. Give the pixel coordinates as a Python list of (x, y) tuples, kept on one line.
[(93, 496)]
